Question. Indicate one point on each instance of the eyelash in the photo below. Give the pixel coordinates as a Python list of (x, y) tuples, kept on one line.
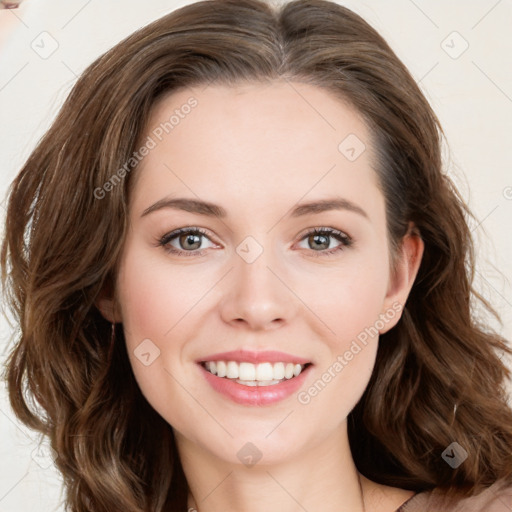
[(346, 241)]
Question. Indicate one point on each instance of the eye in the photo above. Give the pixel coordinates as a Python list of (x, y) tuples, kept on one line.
[(190, 241), (319, 238), (188, 238)]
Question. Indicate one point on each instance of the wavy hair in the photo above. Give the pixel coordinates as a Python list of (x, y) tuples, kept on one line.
[(62, 246)]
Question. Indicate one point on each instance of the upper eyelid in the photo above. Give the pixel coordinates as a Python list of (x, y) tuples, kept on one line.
[(175, 232)]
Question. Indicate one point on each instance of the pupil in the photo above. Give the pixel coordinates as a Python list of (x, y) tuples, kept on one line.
[(315, 237), (189, 238)]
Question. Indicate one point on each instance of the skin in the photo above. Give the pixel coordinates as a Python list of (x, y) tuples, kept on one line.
[(257, 150), (9, 21)]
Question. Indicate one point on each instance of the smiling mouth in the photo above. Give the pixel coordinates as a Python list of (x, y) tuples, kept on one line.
[(249, 374)]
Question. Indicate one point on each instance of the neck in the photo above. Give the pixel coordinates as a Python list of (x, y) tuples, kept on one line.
[(322, 478)]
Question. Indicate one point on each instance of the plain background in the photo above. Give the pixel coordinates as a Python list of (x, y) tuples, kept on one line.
[(459, 52)]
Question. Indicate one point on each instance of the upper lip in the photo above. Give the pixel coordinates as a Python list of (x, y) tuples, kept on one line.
[(251, 356)]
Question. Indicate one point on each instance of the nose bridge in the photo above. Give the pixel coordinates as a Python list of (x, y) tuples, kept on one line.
[(256, 293)]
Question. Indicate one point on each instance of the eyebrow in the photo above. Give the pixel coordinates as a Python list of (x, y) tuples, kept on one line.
[(214, 210)]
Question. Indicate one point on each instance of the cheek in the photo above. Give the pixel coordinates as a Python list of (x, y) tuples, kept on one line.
[(153, 300), (154, 296), (160, 303), (350, 311), (350, 299), (361, 300), (346, 354)]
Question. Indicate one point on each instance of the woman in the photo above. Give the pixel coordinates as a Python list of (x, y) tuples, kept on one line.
[(256, 370)]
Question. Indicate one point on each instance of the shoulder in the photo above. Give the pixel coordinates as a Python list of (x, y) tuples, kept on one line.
[(496, 498)]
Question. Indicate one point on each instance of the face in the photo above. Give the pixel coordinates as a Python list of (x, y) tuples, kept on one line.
[(250, 275)]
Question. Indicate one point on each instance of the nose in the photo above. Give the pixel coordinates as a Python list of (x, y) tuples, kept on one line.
[(256, 294)]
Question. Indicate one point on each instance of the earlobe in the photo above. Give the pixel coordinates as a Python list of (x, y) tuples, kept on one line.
[(107, 309), (107, 305), (404, 275)]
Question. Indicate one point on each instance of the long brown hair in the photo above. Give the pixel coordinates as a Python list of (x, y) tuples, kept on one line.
[(63, 241)]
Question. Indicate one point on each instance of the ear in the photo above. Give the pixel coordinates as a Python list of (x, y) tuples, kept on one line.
[(107, 304), (403, 276)]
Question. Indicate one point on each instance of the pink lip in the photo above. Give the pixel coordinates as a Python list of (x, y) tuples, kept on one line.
[(250, 356), (254, 395)]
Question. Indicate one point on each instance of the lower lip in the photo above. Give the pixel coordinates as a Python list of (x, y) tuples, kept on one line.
[(255, 395)]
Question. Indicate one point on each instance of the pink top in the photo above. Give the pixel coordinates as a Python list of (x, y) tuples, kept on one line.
[(497, 498)]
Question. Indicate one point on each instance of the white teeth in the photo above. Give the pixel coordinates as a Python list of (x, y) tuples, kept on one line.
[(288, 372), (279, 371), (252, 383), (262, 374), (232, 370), (247, 371), (221, 369), (264, 371)]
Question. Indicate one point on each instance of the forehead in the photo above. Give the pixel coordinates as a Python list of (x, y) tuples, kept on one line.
[(256, 143)]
